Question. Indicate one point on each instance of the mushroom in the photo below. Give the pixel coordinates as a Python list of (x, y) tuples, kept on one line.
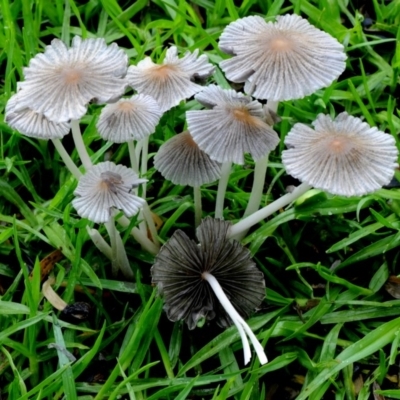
[(344, 156), (234, 125), (215, 279), (60, 82), (170, 82), (283, 60), (182, 162), (103, 188)]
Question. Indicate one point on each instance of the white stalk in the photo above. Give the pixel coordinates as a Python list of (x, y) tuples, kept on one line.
[(119, 259), (80, 145), (150, 223), (66, 158), (132, 155), (99, 242), (143, 167), (141, 238), (237, 320), (197, 205), (246, 223), (222, 185), (260, 172)]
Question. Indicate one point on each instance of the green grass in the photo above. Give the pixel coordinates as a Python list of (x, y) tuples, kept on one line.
[(323, 330)]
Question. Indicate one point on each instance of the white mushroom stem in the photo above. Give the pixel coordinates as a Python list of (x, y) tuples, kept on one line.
[(99, 242), (239, 322), (132, 155), (242, 226), (80, 145), (66, 158), (150, 223), (222, 185), (260, 172), (119, 259), (141, 238), (143, 167), (197, 205)]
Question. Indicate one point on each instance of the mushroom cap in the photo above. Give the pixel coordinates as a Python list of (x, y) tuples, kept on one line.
[(129, 119), (283, 60), (182, 162), (178, 269), (344, 156), (234, 126), (33, 124), (60, 82), (106, 186), (170, 82)]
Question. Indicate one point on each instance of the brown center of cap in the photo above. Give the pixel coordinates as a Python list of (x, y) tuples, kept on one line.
[(71, 76), (162, 72), (280, 44), (242, 114), (126, 106)]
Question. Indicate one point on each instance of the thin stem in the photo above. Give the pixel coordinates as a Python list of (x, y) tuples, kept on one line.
[(222, 185), (119, 259), (237, 320), (143, 167), (80, 145), (197, 205), (265, 212), (142, 239), (66, 158), (260, 171), (150, 223), (99, 242), (132, 155)]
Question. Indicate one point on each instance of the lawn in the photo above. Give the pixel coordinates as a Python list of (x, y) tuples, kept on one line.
[(85, 312)]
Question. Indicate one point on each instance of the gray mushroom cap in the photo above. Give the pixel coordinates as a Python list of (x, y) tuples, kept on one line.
[(182, 162), (33, 124), (129, 119), (170, 82), (235, 125), (344, 156), (60, 82), (283, 60), (178, 269), (106, 186)]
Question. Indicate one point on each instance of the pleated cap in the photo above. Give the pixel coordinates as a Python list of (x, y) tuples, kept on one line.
[(344, 156), (283, 60), (106, 186), (234, 125), (60, 82), (178, 269), (170, 82), (182, 162), (129, 119), (33, 124)]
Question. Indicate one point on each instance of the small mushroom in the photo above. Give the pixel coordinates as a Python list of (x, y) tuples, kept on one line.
[(344, 156), (215, 279), (104, 187), (181, 161), (60, 82), (283, 60), (234, 125), (129, 119), (170, 82)]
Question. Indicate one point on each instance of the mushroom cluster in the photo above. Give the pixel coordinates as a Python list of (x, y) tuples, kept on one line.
[(276, 61)]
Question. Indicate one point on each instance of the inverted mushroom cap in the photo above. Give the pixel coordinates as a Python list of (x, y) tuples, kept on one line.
[(60, 82), (234, 126), (283, 60), (129, 119), (33, 124), (170, 82), (106, 186), (179, 266), (182, 162), (344, 156)]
